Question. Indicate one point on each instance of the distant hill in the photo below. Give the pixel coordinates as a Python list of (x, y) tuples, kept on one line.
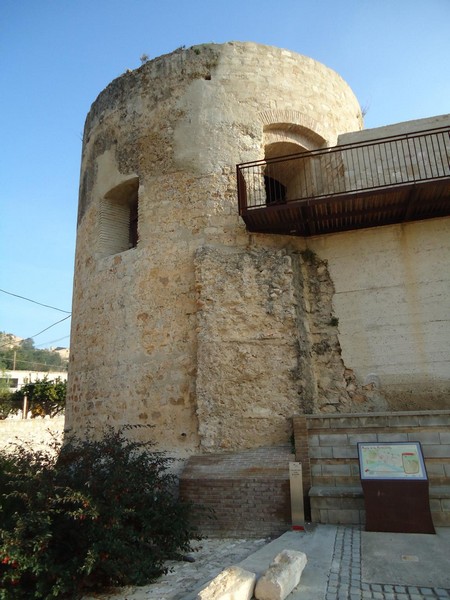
[(20, 354), (9, 340)]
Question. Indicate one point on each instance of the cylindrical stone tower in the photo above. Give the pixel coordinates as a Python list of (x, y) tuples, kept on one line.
[(158, 213)]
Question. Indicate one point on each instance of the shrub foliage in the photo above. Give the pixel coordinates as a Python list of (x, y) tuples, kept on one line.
[(95, 514), (45, 397)]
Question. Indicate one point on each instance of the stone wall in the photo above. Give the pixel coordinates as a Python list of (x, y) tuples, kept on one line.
[(36, 433), (178, 125), (215, 337), (330, 459), (247, 347), (248, 491), (268, 346), (240, 494)]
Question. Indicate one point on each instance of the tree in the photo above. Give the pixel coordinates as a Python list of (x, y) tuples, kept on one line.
[(45, 396)]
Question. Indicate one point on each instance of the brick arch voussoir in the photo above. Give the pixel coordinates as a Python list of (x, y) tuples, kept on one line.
[(291, 124)]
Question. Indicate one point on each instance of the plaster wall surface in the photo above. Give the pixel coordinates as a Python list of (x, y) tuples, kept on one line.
[(413, 126), (392, 298), (401, 160)]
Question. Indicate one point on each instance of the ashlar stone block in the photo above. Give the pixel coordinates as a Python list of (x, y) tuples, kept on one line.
[(282, 576), (232, 583)]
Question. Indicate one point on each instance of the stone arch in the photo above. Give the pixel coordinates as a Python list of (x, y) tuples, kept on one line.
[(274, 149), (292, 126), (119, 218), (284, 133)]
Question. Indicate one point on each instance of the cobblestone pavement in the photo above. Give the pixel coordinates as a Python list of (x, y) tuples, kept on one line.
[(211, 557), (345, 583)]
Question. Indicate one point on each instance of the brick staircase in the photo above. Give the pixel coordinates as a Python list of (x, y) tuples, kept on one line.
[(240, 494)]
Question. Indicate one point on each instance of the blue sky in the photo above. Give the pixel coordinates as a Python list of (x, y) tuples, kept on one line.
[(57, 55)]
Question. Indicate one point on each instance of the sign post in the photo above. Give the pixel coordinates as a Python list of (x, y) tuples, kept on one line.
[(395, 486), (296, 486)]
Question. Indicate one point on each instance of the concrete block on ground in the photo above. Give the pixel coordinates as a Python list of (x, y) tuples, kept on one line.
[(233, 583), (282, 576)]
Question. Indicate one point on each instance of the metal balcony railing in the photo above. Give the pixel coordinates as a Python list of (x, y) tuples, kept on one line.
[(349, 185)]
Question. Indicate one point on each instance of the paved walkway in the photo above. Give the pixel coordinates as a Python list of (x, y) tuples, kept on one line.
[(211, 556), (346, 580), (340, 566)]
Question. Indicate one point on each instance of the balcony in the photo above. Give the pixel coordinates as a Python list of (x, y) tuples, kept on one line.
[(352, 186)]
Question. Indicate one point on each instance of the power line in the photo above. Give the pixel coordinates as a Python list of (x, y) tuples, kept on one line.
[(53, 341), (5, 345), (35, 302), (49, 327), (33, 362)]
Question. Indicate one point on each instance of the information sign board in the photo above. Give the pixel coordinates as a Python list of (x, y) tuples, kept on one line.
[(391, 460), (296, 488)]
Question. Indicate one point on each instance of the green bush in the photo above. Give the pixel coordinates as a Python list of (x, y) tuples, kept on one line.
[(7, 406), (93, 515)]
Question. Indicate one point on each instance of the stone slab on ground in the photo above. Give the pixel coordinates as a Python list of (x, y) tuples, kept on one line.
[(282, 576), (317, 542), (410, 559), (233, 583)]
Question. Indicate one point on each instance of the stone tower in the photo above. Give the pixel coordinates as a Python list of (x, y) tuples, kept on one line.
[(182, 320)]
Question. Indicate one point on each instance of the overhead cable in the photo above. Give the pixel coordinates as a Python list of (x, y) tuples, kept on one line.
[(8, 344), (52, 341), (35, 302), (60, 368), (49, 327)]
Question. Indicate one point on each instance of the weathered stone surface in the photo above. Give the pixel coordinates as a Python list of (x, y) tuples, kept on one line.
[(245, 388), (233, 583), (178, 125), (282, 576), (208, 334)]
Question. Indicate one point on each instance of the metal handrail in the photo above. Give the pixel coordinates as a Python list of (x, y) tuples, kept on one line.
[(309, 176)]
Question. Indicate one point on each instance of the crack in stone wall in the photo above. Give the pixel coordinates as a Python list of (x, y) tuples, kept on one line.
[(268, 346)]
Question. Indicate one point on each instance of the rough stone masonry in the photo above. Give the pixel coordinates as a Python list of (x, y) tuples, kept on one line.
[(213, 337)]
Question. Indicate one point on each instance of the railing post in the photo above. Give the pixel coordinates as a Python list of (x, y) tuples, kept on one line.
[(242, 192)]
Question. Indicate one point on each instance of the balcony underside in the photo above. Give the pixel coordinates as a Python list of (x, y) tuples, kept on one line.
[(352, 210)]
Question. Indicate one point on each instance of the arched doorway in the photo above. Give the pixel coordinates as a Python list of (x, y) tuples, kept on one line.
[(286, 179)]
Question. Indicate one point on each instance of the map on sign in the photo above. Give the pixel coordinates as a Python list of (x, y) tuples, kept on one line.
[(395, 460)]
